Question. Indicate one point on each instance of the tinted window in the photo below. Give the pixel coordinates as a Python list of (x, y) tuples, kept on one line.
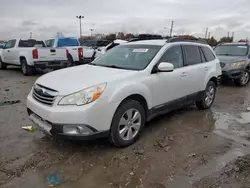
[(231, 50), (173, 55), (192, 54), (10, 44), (30, 43), (133, 57), (208, 54)]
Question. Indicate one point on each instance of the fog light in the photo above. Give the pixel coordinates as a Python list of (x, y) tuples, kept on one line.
[(77, 130)]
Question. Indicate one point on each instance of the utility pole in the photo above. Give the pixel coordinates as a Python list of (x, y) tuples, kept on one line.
[(233, 35), (206, 32), (228, 34), (209, 33), (171, 29), (30, 35), (80, 19), (91, 31)]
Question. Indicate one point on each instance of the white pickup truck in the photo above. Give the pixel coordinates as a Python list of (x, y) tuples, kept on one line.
[(31, 54), (77, 54)]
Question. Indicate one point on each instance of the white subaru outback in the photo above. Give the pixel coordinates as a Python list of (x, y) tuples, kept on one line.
[(129, 85)]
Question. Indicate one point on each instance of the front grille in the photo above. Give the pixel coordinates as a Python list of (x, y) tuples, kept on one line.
[(222, 65), (44, 95)]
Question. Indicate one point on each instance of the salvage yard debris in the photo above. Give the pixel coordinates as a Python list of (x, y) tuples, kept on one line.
[(5, 103), (29, 128)]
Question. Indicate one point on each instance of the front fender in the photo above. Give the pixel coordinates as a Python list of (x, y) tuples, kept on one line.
[(128, 89)]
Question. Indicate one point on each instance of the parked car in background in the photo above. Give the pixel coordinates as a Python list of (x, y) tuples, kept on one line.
[(2, 45), (77, 54), (95, 43), (118, 92), (31, 54), (102, 50), (235, 62)]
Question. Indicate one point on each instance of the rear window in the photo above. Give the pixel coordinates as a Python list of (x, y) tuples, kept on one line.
[(208, 54), (67, 42), (30, 43)]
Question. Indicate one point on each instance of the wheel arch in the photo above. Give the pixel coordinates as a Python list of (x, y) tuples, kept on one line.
[(215, 80), (139, 98)]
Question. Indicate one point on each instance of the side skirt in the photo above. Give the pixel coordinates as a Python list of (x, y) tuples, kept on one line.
[(174, 105)]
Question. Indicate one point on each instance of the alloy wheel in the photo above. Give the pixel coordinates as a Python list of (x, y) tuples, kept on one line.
[(129, 124)]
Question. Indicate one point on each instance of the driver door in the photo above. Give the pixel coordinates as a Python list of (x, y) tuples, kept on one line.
[(7, 52), (170, 87)]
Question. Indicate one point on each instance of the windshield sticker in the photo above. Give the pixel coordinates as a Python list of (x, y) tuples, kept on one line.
[(242, 46), (140, 50)]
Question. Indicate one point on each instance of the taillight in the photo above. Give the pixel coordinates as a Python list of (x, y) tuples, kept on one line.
[(35, 53), (80, 52), (67, 52)]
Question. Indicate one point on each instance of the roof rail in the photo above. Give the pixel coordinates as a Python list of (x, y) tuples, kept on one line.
[(183, 39), (146, 37)]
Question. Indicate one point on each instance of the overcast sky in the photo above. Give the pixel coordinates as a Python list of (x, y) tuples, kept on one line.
[(44, 18)]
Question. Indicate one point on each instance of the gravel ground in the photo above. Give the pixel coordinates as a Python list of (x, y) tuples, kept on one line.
[(186, 148)]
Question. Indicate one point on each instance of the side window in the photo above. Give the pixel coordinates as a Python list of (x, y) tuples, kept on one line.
[(49, 43), (173, 55), (203, 59), (13, 43), (10, 44), (192, 54), (208, 54)]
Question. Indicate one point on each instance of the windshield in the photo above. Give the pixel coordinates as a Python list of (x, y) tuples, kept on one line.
[(67, 42), (133, 57), (232, 50)]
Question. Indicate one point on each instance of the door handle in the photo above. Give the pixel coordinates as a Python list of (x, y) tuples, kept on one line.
[(184, 74), (8, 50), (206, 68)]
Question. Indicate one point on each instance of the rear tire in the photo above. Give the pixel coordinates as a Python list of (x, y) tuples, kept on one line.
[(26, 69), (244, 80), (3, 66), (208, 96), (127, 124)]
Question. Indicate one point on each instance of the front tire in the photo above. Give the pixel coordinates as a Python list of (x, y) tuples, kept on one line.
[(127, 123), (26, 69), (244, 80), (3, 66), (208, 96)]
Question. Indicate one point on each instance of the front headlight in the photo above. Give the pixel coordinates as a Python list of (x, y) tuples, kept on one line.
[(83, 97), (238, 64)]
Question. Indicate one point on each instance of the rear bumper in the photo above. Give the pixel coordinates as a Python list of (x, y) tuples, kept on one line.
[(51, 64), (233, 74)]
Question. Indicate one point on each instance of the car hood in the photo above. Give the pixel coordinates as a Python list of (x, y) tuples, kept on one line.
[(70, 80), (230, 59)]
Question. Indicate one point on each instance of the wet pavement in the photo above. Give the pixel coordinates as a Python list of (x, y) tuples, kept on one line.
[(186, 148)]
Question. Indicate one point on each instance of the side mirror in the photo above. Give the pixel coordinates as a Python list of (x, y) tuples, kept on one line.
[(165, 67)]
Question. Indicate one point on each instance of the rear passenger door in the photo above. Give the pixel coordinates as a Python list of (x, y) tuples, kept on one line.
[(210, 65), (193, 71)]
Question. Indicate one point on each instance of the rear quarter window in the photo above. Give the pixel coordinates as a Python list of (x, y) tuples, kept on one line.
[(208, 54)]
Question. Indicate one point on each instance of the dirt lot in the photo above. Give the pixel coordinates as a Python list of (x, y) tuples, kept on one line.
[(186, 148)]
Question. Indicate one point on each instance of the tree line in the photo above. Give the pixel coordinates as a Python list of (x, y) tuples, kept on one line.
[(127, 36)]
